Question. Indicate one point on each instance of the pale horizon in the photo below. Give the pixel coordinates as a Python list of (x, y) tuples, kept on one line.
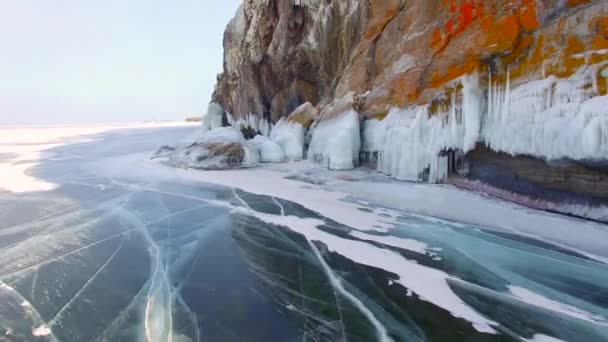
[(70, 62)]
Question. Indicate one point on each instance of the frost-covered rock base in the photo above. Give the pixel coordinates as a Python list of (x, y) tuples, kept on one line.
[(220, 148), (224, 143)]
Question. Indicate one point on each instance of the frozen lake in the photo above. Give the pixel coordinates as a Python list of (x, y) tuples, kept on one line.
[(99, 243)]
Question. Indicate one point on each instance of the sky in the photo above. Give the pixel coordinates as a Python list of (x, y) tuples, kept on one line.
[(109, 61)]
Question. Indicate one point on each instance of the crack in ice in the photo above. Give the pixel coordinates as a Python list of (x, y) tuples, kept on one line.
[(57, 316)]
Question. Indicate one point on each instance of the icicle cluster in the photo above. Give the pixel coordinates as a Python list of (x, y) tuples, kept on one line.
[(336, 142), (550, 118), (412, 144)]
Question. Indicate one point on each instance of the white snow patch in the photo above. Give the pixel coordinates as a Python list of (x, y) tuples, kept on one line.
[(259, 181), (543, 338), (42, 330), (407, 244), (450, 203), (549, 304)]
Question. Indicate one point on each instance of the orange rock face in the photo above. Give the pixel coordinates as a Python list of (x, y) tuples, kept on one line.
[(399, 53)]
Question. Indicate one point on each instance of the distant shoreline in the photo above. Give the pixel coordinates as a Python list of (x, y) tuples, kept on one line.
[(113, 124)]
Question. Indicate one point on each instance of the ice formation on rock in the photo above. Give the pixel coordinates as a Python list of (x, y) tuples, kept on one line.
[(550, 119), (290, 136), (372, 137), (251, 123), (220, 148), (213, 118), (265, 127), (413, 144), (336, 142), (270, 151)]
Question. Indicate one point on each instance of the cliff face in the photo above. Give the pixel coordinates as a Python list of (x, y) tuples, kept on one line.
[(417, 88), (278, 56)]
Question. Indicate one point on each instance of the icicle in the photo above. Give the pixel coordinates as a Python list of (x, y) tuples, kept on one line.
[(471, 110), (507, 99)]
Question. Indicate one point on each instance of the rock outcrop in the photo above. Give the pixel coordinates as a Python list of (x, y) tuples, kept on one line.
[(395, 53), (218, 149), (429, 81)]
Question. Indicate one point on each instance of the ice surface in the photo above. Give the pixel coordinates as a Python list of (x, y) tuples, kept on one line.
[(542, 301), (259, 181), (27, 147), (336, 142), (453, 204), (343, 217), (430, 284)]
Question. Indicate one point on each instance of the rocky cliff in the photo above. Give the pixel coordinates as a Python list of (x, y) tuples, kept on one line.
[(416, 86), (398, 52)]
